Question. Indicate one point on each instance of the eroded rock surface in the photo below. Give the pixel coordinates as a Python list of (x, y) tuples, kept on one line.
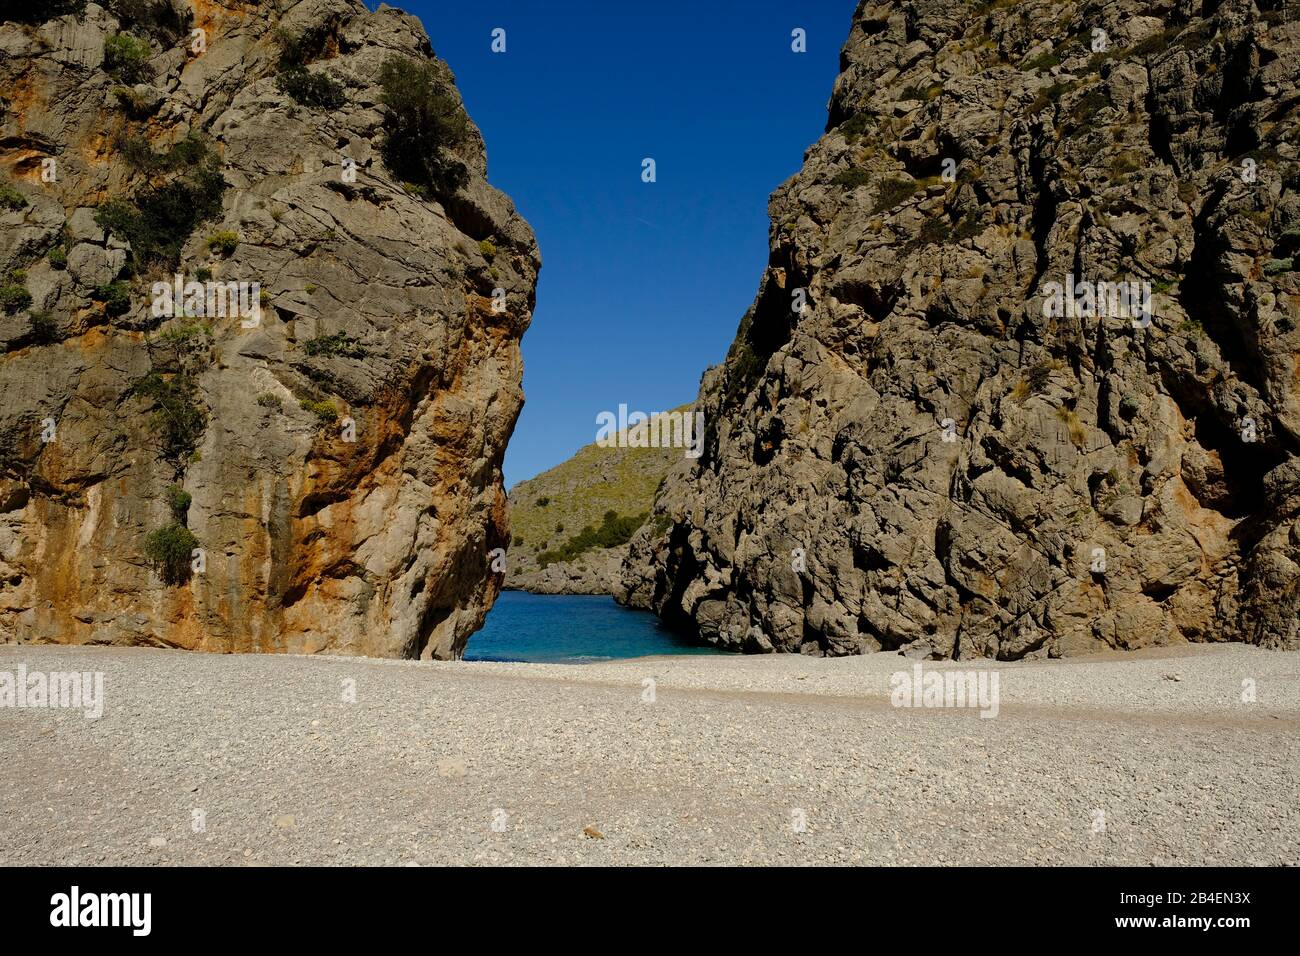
[(923, 458), (376, 310)]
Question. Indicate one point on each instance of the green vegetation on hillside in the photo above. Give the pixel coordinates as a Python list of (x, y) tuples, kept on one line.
[(605, 492), (613, 531)]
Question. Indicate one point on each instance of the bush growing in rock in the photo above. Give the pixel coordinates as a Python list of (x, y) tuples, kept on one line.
[(116, 297), (1043, 62), (133, 104), (224, 242), (1048, 96), (159, 219), (613, 531), (315, 90), (935, 230), (325, 412), (851, 178), (299, 49), (126, 57), (892, 192), (189, 153), (184, 346), (178, 420), (425, 120), (1039, 376), (10, 198), (1088, 106), (1073, 427), (14, 298), (340, 343), (967, 228), (45, 328), (178, 500), (167, 20), (169, 549)]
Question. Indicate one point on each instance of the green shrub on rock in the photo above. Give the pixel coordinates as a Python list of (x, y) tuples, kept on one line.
[(851, 178), (126, 57), (159, 218), (224, 242), (340, 343), (613, 531), (14, 298), (178, 500), (45, 328), (892, 192), (325, 412), (116, 297), (10, 198), (315, 90), (158, 222), (424, 121), (170, 549), (179, 421)]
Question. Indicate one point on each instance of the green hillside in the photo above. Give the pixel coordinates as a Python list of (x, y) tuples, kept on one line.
[(550, 513)]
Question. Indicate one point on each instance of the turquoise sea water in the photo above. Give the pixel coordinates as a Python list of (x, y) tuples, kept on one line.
[(572, 629)]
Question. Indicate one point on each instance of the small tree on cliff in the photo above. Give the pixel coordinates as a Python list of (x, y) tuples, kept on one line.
[(425, 121)]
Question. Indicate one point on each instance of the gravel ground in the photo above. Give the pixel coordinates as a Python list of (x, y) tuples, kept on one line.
[(1146, 758)]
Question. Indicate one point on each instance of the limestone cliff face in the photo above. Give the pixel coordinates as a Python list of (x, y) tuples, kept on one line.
[(337, 460), (928, 458)]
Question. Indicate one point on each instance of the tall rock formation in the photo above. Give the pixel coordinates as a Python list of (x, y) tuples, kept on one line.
[(321, 469), (936, 453)]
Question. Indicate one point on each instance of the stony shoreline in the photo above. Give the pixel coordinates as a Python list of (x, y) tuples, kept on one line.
[(720, 768), (716, 770)]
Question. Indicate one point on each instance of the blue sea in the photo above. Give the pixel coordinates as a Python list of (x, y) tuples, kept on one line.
[(572, 629)]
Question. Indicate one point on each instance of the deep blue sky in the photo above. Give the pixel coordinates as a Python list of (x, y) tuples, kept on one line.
[(642, 285)]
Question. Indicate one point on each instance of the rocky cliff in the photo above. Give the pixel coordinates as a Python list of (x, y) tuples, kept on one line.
[(296, 445), (936, 430)]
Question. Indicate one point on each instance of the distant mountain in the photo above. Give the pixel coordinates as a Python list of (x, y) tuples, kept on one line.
[(570, 525)]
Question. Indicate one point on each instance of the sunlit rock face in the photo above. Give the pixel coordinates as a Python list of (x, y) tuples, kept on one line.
[(341, 450), (932, 433)]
